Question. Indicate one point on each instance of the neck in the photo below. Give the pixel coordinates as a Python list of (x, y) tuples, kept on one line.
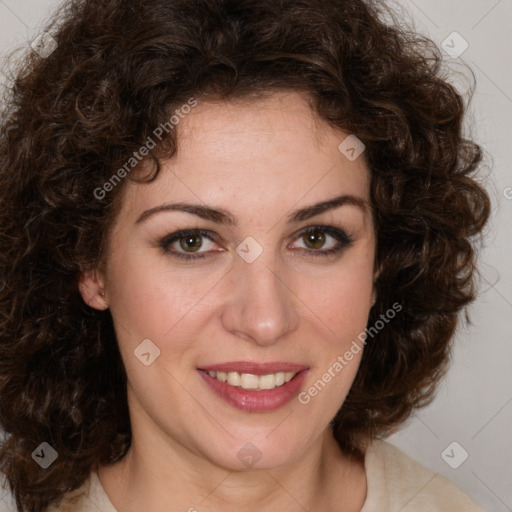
[(154, 479)]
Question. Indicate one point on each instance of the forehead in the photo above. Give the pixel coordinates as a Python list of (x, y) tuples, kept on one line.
[(282, 123), (266, 153)]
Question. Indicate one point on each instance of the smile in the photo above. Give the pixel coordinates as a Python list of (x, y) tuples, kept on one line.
[(255, 387), (254, 382)]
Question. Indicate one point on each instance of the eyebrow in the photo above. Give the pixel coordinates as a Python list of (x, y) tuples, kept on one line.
[(221, 216)]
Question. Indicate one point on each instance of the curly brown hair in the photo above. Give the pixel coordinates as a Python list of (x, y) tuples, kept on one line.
[(71, 119)]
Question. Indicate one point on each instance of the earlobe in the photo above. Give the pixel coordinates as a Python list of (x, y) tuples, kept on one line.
[(91, 285)]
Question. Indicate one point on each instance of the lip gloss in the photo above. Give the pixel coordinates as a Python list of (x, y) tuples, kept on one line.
[(256, 400)]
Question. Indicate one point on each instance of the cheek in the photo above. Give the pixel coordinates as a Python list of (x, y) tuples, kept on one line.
[(341, 305), (149, 298), (342, 299)]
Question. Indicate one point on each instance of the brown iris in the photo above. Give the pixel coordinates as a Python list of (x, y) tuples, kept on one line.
[(314, 239), (187, 242)]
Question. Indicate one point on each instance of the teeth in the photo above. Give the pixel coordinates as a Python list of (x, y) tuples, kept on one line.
[(233, 378), (267, 381), (250, 381), (280, 378)]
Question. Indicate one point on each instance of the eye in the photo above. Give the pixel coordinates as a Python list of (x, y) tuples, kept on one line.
[(315, 238), (185, 244)]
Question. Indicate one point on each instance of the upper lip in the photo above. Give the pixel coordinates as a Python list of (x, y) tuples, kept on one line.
[(254, 368)]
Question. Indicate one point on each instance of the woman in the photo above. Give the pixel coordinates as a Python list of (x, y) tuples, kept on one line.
[(236, 237)]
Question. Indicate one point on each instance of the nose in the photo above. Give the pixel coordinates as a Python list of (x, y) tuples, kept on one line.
[(263, 306)]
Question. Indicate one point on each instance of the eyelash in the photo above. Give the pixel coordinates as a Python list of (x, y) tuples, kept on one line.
[(344, 241)]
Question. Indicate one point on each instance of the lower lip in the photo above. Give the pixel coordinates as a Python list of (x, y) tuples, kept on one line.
[(256, 401)]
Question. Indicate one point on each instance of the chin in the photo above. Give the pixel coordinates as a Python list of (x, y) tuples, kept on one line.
[(247, 453)]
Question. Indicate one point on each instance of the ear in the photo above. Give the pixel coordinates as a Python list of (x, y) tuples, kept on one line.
[(91, 284)]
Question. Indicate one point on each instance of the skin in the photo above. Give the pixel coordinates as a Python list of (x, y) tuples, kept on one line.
[(260, 160)]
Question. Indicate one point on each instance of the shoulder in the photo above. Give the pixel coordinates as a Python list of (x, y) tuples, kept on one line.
[(90, 497), (397, 482), (70, 502)]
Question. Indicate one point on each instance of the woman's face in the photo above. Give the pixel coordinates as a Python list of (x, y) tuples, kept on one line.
[(260, 297)]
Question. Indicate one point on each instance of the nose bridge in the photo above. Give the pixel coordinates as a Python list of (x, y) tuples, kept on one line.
[(263, 307)]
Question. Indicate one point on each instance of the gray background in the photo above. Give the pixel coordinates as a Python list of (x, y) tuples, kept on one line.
[(474, 404)]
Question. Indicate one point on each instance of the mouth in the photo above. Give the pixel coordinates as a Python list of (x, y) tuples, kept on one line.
[(255, 387)]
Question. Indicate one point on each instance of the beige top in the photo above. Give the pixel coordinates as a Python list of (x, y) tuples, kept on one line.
[(395, 483)]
